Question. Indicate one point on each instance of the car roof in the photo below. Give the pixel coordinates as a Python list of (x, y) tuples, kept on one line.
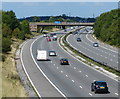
[(100, 81), (51, 51), (64, 58)]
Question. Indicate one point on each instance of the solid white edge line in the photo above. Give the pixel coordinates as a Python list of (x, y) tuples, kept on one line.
[(80, 87), (116, 94), (43, 72), (87, 64), (90, 94), (26, 71), (102, 46)]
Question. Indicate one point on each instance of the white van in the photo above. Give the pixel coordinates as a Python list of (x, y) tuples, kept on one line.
[(41, 55)]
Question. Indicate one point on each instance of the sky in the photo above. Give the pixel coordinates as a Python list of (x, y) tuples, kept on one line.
[(81, 9)]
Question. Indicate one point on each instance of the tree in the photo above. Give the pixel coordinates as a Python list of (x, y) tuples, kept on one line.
[(25, 27), (107, 27), (6, 31), (10, 19), (16, 32)]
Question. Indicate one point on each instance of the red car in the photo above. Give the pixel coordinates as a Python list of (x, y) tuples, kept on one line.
[(48, 39)]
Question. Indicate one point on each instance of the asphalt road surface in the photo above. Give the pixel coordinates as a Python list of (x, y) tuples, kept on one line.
[(54, 80), (104, 54)]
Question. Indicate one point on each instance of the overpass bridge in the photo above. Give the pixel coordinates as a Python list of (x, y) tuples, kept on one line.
[(34, 25)]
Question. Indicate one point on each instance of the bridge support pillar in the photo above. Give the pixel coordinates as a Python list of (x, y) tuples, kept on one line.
[(63, 27), (42, 29)]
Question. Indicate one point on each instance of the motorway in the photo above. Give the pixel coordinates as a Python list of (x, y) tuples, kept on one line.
[(50, 79), (104, 54)]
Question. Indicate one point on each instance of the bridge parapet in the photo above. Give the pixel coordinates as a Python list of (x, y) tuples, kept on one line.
[(34, 25)]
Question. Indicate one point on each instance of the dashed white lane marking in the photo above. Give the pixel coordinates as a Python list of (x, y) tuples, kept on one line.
[(73, 81), (57, 67), (80, 71), (86, 75), (90, 94), (61, 71), (51, 61), (66, 75), (54, 64), (74, 67), (81, 87), (116, 94), (106, 57)]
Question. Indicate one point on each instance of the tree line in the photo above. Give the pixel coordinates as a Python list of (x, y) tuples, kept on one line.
[(107, 27), (62, 18), (12, 28)]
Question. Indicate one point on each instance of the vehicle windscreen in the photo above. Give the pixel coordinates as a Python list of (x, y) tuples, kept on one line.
[(102, 84)]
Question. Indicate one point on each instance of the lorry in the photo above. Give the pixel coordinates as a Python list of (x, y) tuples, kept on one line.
[(41, 55)]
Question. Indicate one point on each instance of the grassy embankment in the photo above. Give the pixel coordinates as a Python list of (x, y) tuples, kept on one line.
[(107, 28), (11, 82)]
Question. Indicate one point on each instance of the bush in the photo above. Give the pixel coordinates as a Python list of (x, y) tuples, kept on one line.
[(2, 58), (6, 45)]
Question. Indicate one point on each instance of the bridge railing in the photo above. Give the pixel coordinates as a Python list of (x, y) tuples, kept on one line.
[(62, 23)]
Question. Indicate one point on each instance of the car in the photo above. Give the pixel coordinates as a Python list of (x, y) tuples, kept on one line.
[(44, 35), (52, 34), (65, 30), (95, 44), (64, 61), (99, 86), (52, 53), (48, 39), (79, 39), (54, 38)]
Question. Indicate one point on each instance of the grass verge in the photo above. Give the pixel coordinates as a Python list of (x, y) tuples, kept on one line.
[(12, 85)]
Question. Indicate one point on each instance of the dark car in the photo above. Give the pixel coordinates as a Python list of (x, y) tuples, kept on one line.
[(52, 53), (95, 44), (99, 86), (79, 39), (65, 30), (64, 61), (52, 34)]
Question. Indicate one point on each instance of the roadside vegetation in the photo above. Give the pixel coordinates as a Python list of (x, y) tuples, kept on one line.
[(13, 34), (107, 28)]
